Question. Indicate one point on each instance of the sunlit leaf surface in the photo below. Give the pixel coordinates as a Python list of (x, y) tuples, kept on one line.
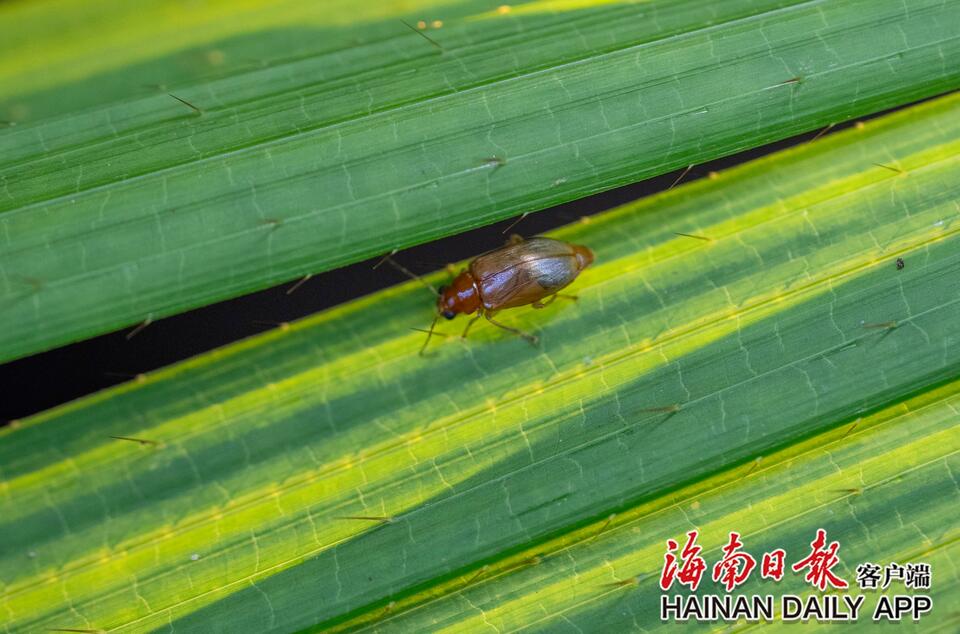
[(158, 156), (780, 375)]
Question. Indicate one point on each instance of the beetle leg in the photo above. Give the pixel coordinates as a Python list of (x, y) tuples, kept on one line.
[(530, 338), (469, 323), (551, 299)]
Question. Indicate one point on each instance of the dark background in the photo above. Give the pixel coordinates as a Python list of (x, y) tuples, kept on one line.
[(51, 378)]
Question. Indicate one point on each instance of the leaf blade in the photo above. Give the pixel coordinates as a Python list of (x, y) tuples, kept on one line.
[(329, 460), (284, 175)]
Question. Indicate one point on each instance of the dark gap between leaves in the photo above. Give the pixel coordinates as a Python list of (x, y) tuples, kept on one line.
[(51, 378)]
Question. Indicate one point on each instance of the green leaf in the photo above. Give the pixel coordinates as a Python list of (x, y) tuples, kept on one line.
[(323, 140), (780, 376), (882, 486)]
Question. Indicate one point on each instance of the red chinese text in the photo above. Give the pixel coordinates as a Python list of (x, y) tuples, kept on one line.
[(771, 566), (735, 566), (691, 567), (820, 561)]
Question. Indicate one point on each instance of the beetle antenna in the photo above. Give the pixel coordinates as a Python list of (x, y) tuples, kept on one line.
[(427, 331), (429, 334), (515, 222), (407, 272), (680, 178)]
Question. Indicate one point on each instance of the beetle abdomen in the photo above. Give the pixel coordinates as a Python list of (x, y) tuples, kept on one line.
[(555, 273), (523, 273)]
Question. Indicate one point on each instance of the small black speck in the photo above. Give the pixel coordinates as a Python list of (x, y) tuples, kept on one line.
[(900, 264)]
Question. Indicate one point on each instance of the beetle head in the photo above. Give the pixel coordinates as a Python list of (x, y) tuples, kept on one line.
[(446, 303)]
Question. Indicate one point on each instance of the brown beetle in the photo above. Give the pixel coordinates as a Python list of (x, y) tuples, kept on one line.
[(520, 273)]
